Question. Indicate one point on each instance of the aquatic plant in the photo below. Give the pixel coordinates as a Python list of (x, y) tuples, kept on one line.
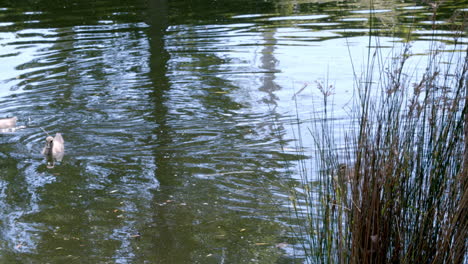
[(407, 199)]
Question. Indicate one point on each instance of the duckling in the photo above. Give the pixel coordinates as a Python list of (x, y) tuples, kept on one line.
[(345, 173), (7, 123), (54, 147)]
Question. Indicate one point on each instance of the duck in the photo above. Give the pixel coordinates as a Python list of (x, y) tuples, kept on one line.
[(345, 173), (54, 149), (8, 123)]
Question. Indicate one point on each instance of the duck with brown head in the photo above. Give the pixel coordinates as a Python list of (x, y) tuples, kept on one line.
[(345, 173)]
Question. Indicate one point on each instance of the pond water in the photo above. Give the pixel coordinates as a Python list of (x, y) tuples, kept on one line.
[(179, 120)]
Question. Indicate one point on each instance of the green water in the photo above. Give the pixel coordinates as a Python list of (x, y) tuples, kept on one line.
[(179, 120)]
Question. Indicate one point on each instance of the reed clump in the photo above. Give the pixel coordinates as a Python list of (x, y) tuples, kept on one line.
[(397, 192)]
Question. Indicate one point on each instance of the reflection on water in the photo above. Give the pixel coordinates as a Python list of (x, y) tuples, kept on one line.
[(178, 120)]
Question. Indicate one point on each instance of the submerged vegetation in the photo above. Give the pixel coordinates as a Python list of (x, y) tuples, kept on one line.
[(396, 190)]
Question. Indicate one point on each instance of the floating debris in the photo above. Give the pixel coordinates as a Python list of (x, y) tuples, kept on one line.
[(137, 235), (282, 245)]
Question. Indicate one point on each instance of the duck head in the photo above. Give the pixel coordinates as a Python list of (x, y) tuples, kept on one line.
[(54, 147), (48, 146)]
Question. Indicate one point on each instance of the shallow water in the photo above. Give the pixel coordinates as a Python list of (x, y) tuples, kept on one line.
[(179, 120)]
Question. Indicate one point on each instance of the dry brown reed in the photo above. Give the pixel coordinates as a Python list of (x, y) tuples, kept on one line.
[(407, 201)]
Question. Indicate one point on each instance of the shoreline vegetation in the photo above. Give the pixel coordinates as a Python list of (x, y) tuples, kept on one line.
[(397, 191)]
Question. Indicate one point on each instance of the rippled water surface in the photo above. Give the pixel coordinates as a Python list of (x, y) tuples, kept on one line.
[(179, 120)]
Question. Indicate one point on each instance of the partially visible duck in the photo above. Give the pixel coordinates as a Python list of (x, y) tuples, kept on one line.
[(54, 149), (7, 123), (345, 173)]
